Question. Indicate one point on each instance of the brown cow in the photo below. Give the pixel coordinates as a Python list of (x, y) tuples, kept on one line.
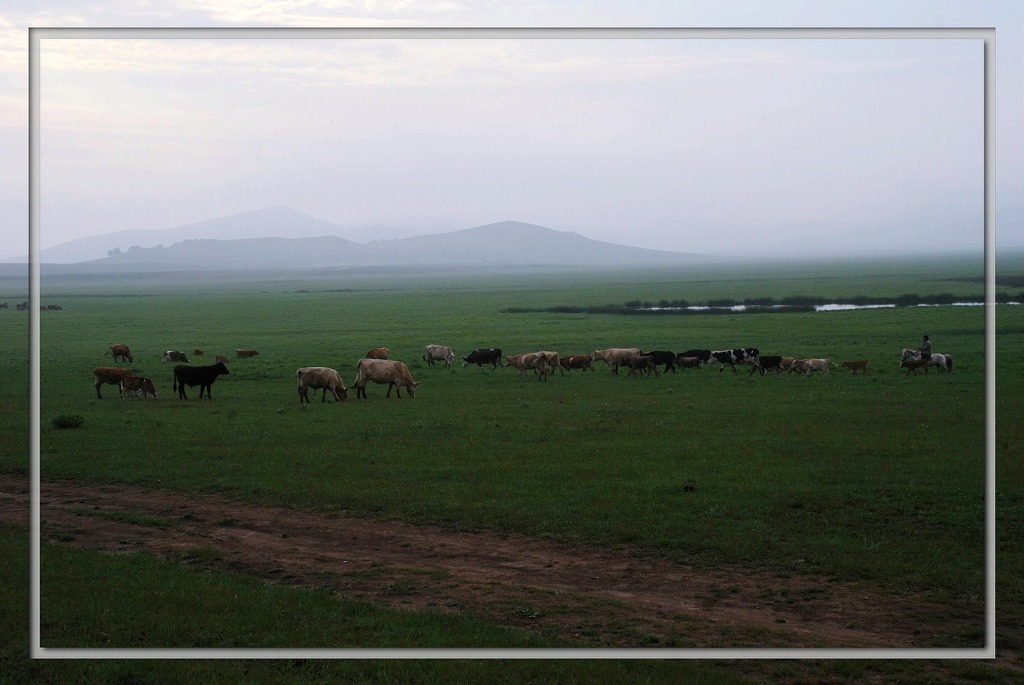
[(395, 374), (378, 353), (221, 358), (577, 361), (320, 377), (197, 351), (689, 362), (111, 375), (645, 363), (137, 386), (914, 365), (615, 356), (857, 365), (246, 353), (121, 352)]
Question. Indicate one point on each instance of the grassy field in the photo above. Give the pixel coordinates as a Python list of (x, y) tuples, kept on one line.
[(877, 481)]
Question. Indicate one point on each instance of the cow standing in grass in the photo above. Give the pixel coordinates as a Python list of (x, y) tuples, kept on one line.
[(120, 353), (396, 374), (137, 386), (438, 353), (203, 376), (615, 357), (109, 375), (320, 378)]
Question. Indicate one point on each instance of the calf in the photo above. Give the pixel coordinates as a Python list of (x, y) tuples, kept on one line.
[(174, 356), (221, 358), (857, 365), (912, 365), (483, 355), (320, 377), (689, 362), (137, 386), (378, 353), (577, 361), (120, 352), (110, 375), (203, 376), (394, 373), (198, 352), (645, 363), (245, 353)]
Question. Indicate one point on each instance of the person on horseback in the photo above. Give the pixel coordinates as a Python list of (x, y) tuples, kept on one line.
[(926, 348)]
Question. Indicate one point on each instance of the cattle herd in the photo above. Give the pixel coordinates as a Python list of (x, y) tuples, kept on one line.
[(377, 367)]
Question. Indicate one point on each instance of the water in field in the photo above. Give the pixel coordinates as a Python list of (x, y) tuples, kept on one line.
[(818, 307)]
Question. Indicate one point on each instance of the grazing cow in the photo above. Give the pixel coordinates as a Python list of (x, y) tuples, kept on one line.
[(203, 376), (615, 357), (174, 356), (378, 353), (320, 377), (23, 307), (120, 352), (198, 352), (221, 358), (786, 364), (395, 374), (483, 355), (645, 363), (857, 365), (767, 363), (912, 365), (111, 375), (662, 357), (689, 362), (577, 361), (246, 353), (3, 305), (137, 386), (735, 356), (438, 353)]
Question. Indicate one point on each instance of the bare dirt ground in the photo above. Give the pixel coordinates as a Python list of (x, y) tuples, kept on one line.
[(589, 596)]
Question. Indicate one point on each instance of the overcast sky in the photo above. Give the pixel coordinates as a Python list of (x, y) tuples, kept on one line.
[(636, 140)]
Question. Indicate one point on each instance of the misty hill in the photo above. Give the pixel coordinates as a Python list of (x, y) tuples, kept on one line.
[(508, 243), (271, 222)]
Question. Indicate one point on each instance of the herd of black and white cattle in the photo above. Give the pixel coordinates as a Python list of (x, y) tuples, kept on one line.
[(377, 367)]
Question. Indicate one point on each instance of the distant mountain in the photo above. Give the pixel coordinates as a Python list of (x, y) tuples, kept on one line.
[(271, 222), (509, 243)]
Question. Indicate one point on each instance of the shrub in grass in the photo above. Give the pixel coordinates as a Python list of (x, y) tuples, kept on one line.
[(68, 421)]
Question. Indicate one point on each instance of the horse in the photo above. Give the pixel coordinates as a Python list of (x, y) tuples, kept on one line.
[(943, 361)]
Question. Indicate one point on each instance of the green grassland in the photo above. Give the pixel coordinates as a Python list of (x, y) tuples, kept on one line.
[(876, 480)]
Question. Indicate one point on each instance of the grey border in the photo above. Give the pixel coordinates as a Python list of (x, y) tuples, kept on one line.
[(986, 35)]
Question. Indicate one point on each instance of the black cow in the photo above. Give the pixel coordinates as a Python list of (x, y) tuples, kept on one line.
[(703, 355), (736, 356), (662, 357), (772, 363), (484, 355), (203, 376)]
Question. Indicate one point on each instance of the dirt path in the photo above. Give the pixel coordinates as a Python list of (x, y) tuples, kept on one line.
[(590, 596)]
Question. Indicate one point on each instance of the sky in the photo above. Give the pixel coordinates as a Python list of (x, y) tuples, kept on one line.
[(648, 142)]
